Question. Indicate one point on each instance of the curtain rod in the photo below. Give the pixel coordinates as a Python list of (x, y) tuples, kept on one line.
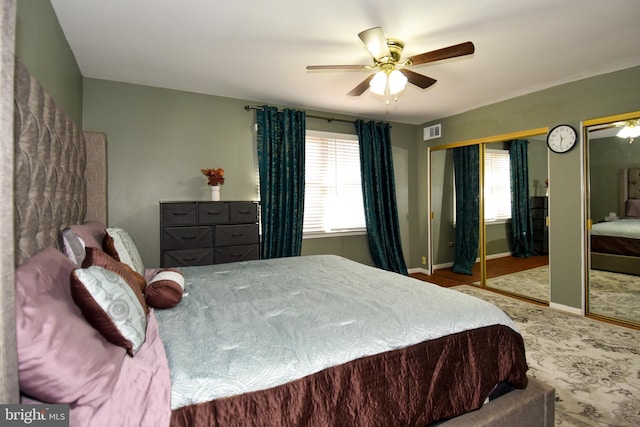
[(329, 119)]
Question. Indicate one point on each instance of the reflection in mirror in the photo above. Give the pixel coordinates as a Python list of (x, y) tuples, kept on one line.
[(516, 233), (527, 276), (614, 208), (443, 227)]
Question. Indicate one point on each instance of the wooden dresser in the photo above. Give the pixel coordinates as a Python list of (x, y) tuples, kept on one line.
[(539, 212), (201, 233)]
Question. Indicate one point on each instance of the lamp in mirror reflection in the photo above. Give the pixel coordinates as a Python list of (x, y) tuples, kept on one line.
[(630, 130)]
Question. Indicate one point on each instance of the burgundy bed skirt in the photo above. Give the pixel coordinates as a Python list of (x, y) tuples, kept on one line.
[(615, 245), (411, 386)]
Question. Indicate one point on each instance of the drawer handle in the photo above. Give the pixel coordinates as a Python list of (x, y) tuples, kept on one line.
[(179, 213), (235, 256), (214, 213), (188, 237), (188, 259), (237, 235), (244, 212)]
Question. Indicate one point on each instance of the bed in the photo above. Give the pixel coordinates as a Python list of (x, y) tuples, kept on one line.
[(298, 341), (615, 244)]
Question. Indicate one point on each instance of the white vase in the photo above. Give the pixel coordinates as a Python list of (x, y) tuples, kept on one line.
[(215, 193)]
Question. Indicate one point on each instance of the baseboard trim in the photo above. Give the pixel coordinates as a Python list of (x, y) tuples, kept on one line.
[(494, 256), (566, 308), (418, 270)]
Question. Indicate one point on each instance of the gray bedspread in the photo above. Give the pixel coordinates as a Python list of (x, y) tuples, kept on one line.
[(253, 325)]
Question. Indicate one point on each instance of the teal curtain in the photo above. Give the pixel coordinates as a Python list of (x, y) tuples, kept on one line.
[(521, 222), (379, 196), (466, 162), (281, 140)]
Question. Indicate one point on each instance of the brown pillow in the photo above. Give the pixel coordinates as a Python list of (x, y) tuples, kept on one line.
[(165, 289), (99, 258)]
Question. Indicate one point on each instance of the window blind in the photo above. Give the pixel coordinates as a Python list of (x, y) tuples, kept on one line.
[(333, 192)]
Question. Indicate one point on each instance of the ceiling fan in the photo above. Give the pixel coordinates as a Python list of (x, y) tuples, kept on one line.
[(392, 75)]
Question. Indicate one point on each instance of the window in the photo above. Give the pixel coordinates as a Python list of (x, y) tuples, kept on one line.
[(333, 193), (497, 186)]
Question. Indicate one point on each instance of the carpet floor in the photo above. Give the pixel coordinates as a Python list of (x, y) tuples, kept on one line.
[(594, 366), (611, 294)]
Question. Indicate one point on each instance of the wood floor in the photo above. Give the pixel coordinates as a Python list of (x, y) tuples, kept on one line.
[(495, 267)]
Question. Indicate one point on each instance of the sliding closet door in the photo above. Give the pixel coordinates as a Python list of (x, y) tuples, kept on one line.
[(613, 280), (515, 193), (444, 220)]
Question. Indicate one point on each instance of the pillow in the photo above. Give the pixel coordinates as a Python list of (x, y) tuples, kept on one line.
[(165, 289), (99, 258), (141, 395), (119, 244), (61, 358), (76, 237), (633, 208), (111, 306), (73, 246)]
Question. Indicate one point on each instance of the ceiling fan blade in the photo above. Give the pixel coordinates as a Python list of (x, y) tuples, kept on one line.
[(336, 67), (362, 87), (461, 49), (417, 79), (376, 42)]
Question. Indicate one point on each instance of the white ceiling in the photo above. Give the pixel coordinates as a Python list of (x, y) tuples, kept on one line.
[(258, 50)]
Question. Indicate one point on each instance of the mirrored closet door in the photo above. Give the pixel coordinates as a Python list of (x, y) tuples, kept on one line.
[(498, 263), (613, 231)]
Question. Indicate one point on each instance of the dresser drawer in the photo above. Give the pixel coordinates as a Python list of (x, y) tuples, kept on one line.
[(236, 253), (243, 212), (539, 202), (187, 237), (213, 213), (178, 213), (241, 234), (538, 224), (187, 257)]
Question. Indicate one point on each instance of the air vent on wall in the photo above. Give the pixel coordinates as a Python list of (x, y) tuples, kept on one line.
[(431, 132)]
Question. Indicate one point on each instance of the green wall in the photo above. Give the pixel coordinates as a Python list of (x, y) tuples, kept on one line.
[(570, 103), (42, 46), (159, 139)]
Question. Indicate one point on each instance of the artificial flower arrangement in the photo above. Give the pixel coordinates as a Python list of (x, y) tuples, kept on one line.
[(214, 176)]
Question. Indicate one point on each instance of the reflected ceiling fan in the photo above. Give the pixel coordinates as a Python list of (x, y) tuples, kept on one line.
[(392, 75)]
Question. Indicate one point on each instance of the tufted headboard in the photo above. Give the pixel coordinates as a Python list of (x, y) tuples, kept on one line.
[(629, 192), (52, 169)]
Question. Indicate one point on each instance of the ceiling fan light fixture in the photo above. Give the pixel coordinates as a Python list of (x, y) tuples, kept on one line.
[(378, 83), (397, 82), (631, 130)]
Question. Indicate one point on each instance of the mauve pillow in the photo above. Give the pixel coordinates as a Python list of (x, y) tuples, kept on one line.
[(99, 258), (633, 208), (76, 237), (91, 232), (165, 289), (61, 357)]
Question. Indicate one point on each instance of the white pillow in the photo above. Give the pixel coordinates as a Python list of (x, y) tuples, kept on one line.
[(73, 246), (125, 248), (111, 306)]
